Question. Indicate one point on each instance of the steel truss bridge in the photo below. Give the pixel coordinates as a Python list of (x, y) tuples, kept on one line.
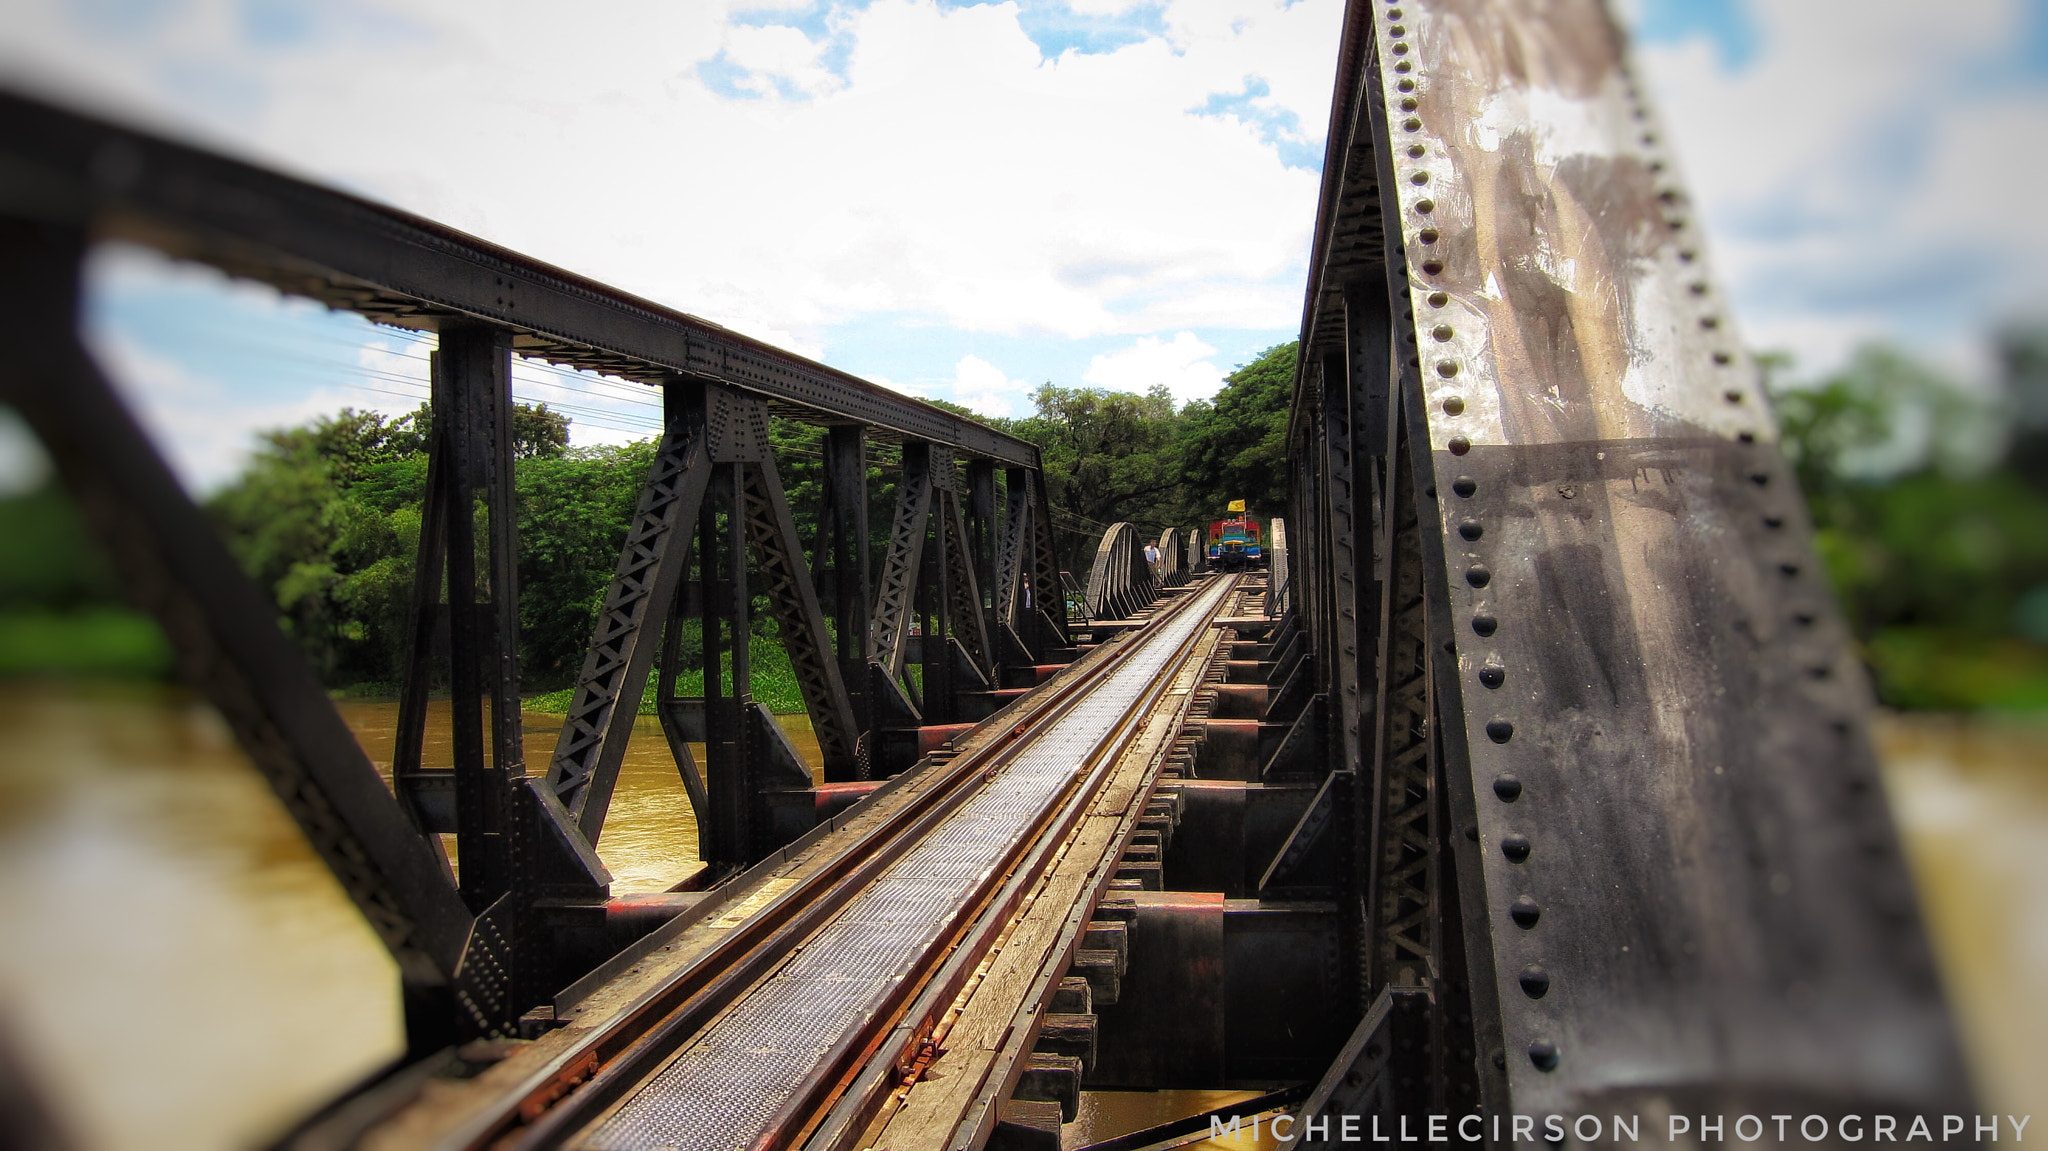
[(1531, 779)]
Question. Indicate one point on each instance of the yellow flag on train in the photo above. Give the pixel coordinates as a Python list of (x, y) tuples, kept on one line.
[(1236, 505)]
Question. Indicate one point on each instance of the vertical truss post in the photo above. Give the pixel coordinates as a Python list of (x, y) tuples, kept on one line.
[(982, 538), (967, 641), (1355, 428), (223, 629), (843, 541), (414, 785), (1307, 540), (1049, 594), (1013, 606), (723, 623), (471, 424), (744, 515), (739, 602), (1350, 535), (935, 592)]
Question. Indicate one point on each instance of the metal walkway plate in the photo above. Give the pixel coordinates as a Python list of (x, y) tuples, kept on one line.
[(721, 1092)]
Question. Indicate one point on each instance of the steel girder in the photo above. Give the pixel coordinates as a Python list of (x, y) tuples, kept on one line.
[(895, 598), (471, 960), (622, 647), (223, 630), (1175, 547), (1027, 569), (931, 575), (1279, 569), (710, 427), (398, 268), (1628, 832)]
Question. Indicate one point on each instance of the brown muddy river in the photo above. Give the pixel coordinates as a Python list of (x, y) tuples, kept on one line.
[(177, 970)]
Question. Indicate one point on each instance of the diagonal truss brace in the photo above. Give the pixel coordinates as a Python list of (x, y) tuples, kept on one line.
[(622, 648), (1404, 848), (964, 614), (173, 565), (895, 597), (1012, 566), (779, 558), (710, 426)]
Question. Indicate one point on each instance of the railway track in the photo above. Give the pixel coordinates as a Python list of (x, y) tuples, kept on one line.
[(1543, 776), (825, 987)]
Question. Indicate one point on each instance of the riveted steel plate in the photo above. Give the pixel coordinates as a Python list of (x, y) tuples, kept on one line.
[(1695, 887), (722, 1090)]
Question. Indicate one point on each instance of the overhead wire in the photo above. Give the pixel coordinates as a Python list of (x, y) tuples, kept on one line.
[(420, 389), (591, 387)]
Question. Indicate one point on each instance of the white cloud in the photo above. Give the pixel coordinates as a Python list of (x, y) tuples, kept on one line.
[(985, 388), (1180, 364), (931, 168), (954, 175), (977, 384), (1865, 176), (1103, 7), (205, 435), (777, 51)]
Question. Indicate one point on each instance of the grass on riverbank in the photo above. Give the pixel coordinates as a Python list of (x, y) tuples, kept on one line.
[(773, 679), (113, 642)]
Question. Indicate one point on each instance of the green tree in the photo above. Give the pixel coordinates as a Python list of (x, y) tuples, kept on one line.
[(575, 509), (327, 517), (1936, 540), (1236, 444), (537, 432)]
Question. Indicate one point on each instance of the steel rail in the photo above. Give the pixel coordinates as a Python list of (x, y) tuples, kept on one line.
[(594, 1104), (860, 1094), (628, 1047), (396, 268)]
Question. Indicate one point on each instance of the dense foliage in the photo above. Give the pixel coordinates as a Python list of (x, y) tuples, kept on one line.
[(1930, 503), (327, 517), (1113, 456)]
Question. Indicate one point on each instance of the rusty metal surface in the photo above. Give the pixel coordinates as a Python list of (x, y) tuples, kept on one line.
[(1662, 732), (1166, 1028)]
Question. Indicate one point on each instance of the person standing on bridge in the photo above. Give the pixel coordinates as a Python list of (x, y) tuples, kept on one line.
[(1152, 558)]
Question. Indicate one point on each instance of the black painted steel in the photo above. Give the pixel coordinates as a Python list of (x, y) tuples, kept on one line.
[(1120, 582), (650, 571), (1628, 848), (223, 629), (1377, 1089), (529, 875), (895, 598), (472, 415), (399, 268), (842, 551)]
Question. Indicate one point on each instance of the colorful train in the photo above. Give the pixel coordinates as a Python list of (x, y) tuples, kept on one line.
[(1234, 543)]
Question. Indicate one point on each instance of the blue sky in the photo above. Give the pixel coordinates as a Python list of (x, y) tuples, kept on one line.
[(966, 200)]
